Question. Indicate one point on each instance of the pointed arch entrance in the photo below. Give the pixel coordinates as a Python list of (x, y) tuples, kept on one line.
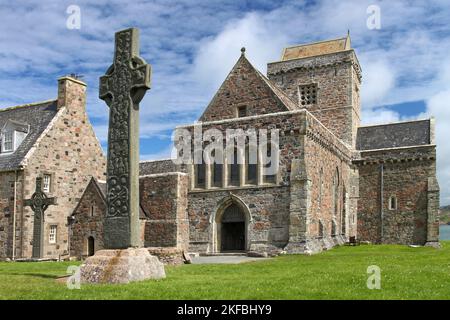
[(232, 229), (231, 225)]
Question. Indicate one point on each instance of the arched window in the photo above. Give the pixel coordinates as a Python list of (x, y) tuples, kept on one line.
[(393, 203), (320, 186), (251, 161), (320, 229), (344, 211), (335, 193), (200, 174), (217, 171), (269, 178), (333, 228), (235, 169)]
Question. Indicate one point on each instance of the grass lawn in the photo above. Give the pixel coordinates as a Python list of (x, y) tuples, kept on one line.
[(341, 273)]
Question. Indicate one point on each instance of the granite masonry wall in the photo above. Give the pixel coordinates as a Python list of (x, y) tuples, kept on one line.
[(163, 197), (338, 79), (7, 180), (265, 205), (407, 174), (158, 166), (70, 152), (330, 182), (88, 222), (245, 86), (320, 214), (164, 224)]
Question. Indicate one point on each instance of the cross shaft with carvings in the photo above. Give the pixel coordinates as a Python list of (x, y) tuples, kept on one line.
[(122, 88), (39, 202)]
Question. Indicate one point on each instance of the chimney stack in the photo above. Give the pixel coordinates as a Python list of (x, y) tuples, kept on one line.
[(71, 93)]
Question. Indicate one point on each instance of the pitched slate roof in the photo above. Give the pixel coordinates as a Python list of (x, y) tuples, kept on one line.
[(394, 135), (37, 116), (157, 166)]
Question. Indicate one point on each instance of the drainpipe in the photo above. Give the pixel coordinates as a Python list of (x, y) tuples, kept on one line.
[(381, 200), (14, 217)]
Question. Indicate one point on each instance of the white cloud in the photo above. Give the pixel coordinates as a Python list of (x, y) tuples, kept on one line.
[(378, 115), (216, 56), (438, 106), (378, 82), (193, 47)]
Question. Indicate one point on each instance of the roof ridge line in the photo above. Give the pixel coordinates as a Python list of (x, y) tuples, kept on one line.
[(28, 105), (315, 42), (395, 122), (277, 90), (146, 161)]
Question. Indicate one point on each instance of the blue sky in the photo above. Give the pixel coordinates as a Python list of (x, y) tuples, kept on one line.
[(192, 46)]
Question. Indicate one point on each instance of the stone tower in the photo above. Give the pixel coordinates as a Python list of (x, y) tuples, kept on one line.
[(325, 78)]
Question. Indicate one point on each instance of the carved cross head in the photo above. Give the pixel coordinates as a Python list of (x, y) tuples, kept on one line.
[(39, 201), (129, 75)]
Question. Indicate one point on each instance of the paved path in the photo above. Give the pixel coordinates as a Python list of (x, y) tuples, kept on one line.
[(225, 259)]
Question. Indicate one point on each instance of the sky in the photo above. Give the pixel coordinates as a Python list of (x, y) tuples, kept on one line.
[(192, 45)]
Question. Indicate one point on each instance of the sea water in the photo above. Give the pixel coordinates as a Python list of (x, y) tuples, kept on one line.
[(444, 232)]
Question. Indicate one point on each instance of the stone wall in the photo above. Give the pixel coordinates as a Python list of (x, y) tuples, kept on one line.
[(70, 152), (320, 211), (266, 212), (88, 222), (7, 180), (394, 135), (163, 197), (337, 77), (266, 205), (164, 224), (157, 166), (244, 86), (328, 167), (403, 173)]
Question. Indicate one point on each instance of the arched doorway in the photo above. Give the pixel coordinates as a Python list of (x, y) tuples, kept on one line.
[(232, 229), (91, 246)]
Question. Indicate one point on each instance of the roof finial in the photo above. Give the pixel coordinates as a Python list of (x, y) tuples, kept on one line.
[(243, 51), (348, 32)]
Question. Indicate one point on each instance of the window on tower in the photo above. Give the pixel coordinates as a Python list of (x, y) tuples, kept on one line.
[(308, 94), (242, 111)]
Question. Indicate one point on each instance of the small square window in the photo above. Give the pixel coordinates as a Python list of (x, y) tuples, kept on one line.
[(242, 111), (47, 183), (308, 94), (52, 234)]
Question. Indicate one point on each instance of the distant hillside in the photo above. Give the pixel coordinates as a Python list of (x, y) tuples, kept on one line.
[(445, 215)]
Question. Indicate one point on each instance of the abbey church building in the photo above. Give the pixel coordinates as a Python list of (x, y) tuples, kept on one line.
[(336, 180)]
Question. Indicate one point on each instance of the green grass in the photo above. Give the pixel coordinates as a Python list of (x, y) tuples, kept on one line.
[(406, 273)]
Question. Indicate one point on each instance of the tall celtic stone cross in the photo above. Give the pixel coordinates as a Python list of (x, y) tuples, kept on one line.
[(123, 87), (39, 202)]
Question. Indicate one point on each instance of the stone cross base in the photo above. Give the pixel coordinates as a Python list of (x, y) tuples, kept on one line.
[(121, 266)]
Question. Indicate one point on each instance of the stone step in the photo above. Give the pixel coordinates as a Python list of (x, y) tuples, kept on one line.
[(218, 254)]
